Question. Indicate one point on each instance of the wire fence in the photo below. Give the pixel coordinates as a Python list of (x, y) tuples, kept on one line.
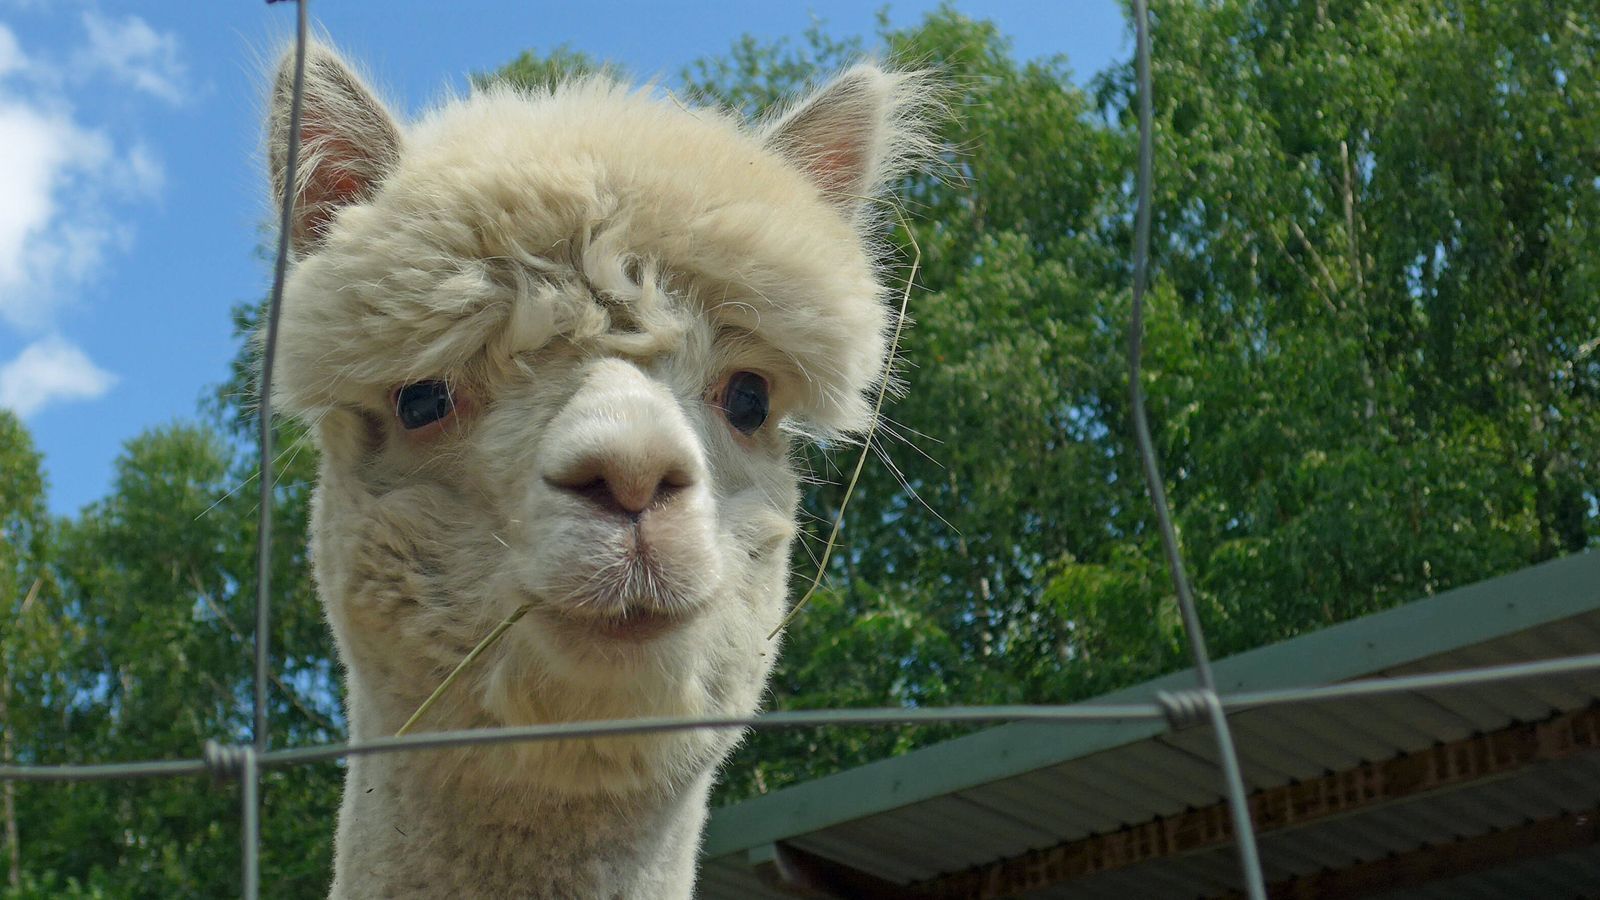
[(1202, 704)]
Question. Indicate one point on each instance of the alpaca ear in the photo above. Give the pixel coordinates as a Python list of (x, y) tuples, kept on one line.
[(848, 136), (348, 143)]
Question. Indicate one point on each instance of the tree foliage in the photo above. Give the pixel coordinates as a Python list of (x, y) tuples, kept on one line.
[(1370, 361)]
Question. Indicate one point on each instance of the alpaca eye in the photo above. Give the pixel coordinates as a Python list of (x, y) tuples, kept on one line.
[(744, 401), (423, 403)]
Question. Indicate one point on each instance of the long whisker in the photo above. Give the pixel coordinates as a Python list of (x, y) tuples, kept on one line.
[(866, 449)]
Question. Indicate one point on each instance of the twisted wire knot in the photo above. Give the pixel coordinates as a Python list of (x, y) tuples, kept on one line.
[(1186, 707), (227, 761)]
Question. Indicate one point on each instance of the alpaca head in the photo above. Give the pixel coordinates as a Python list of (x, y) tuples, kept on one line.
[(555, 348)]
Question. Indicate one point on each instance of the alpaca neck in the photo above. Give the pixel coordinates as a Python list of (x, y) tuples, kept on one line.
[(404, 830)]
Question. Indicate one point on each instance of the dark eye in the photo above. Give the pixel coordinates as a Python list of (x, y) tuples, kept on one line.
[(745, 401), (423, 403)]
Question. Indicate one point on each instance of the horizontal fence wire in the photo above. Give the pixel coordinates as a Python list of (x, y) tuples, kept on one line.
[(1203, 704), (1098, 713)]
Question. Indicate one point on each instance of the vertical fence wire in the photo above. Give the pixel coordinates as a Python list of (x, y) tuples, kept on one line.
[(250, 824), (1227, 756), (250, 795)]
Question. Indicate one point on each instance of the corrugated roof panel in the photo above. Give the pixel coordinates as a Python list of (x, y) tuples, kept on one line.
[(1486, 709), (1548, 789), (733, 879), (1574, 636), (1462, 816), (1282, 859), (1146, 793), (952, 836), (1535, 881), (1579, 872), (1016, 828), (1441, 818), (899, 847), (973, 834), (1290, 744), (1211, 872), (1030, 798), (1504, 883), (1095, 808), (1303, 850), (1434, 820), (1175, 774), (1168, 881), (1330, 743), (1349, 841), (1397, 723), (1201, 745), (1118, 885), (1542, 695), (1495, 806), (889, 847), (1067, 801), (1111, 886), (875, 857), (1445, 723)]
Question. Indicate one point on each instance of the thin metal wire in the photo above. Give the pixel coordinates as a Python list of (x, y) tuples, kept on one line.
[(1238, 807), (164, 768), (1404, 684), (250, 827), (250, 795), (229, 762), (889, 716), (264, 420), (1192, 701)]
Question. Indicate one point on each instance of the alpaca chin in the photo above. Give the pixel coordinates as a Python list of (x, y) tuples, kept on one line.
[(615, 766)]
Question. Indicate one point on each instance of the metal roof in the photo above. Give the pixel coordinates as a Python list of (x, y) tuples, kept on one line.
[(1000, 793)]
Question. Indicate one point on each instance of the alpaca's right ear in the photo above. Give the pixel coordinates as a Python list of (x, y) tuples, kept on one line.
[(348, 143)]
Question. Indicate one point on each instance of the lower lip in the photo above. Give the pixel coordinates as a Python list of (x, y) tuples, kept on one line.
[(636, 627)]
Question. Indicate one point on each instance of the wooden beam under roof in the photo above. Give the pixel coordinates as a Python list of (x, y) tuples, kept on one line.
[(1445, 767), (1425, 865)]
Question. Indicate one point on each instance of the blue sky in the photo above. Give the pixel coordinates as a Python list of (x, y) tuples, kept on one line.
[(133, 204)]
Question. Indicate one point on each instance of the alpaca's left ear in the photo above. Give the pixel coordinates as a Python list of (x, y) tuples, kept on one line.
[(854, 133)]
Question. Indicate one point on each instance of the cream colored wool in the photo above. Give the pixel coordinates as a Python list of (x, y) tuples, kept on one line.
[(585, 268)]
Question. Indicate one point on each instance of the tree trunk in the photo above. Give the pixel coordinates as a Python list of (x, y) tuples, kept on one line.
[(13, 846)]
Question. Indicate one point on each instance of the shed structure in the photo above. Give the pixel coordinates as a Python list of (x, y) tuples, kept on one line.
[(1490, 791)]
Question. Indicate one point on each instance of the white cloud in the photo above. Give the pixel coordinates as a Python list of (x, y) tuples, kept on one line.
[(50, 370), (50, 230), (60, 176), (135, 53), (11, 58), (141, 174)]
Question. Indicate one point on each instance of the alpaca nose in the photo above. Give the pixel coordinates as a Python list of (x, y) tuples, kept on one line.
[(622, 443), (623, 483)]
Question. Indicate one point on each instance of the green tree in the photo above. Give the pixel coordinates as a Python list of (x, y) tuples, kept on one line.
[(28, 638)]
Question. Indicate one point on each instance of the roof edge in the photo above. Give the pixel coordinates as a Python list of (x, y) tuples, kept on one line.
[(1366, 646)]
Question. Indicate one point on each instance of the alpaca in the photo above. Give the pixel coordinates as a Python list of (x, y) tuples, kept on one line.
[(555, 349)]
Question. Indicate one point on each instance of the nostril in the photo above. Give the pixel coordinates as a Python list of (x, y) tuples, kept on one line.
[(625, 494), (596, 491)]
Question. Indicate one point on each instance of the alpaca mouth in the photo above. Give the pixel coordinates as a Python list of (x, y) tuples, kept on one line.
[(633, 625)]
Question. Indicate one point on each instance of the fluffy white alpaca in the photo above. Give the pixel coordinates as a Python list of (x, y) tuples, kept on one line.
[(554, 348)]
